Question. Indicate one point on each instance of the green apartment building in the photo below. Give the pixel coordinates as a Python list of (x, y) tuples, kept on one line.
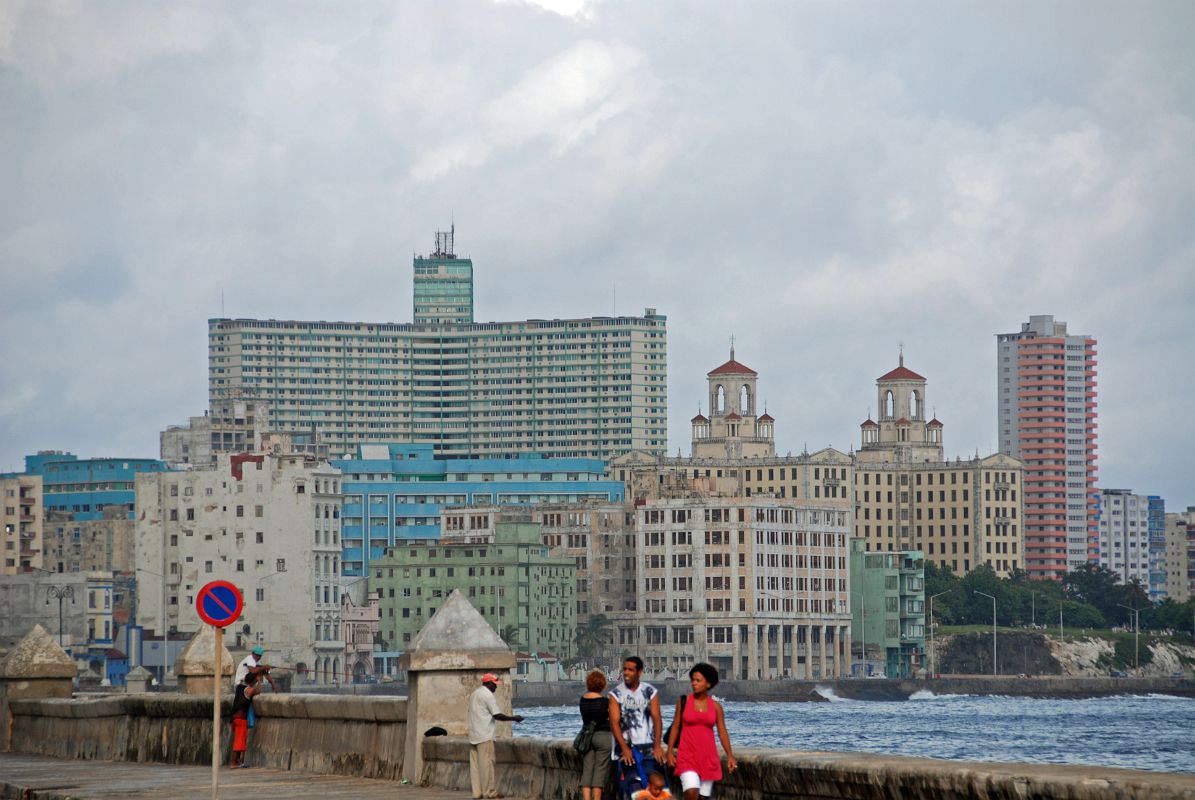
[(887, 611), (513, 582), (593, 388)]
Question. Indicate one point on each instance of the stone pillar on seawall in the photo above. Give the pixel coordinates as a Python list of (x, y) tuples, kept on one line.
[(444, 666), (196, 664), (36, 668)]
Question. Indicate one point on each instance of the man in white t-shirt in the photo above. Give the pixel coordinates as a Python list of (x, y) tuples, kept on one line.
[(635, 723), (483, 712), (252, 663)]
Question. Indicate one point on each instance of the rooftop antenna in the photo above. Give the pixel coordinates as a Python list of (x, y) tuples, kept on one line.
[(732, 347), (445, 243), (902, 354)]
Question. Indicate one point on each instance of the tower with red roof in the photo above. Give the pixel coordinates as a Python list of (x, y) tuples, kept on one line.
[(734, 429)]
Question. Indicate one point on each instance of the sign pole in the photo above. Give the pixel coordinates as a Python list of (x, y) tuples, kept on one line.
[(217, 678), (218, 603)]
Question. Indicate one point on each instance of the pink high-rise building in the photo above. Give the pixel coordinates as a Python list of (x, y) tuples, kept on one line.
[(1047, 417)]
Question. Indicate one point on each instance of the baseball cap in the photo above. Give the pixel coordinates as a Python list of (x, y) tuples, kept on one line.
[(490, 677), (258, 650)]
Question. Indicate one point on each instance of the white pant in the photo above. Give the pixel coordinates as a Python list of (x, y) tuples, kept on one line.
[(690, 780)]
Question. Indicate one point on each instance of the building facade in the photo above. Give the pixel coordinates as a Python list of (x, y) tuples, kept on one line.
[(394, 492), (104, 545), (527, 595), (1179, 556), (888, 611), (443, 285), (1046, 398), (361, 627), (1125, 535), (756, 586), (910, 498), (23, 520), (268, 524), (85, 487), (594, 387)]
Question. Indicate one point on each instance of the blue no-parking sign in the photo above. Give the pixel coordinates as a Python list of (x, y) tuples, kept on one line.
[(219, 603)]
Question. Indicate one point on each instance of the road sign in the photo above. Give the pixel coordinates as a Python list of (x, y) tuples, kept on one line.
[(219, 603)]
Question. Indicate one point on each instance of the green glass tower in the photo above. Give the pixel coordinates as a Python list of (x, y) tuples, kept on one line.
[(443, 285)]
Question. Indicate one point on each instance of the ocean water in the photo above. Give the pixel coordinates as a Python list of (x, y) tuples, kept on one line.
[(1152, 732)]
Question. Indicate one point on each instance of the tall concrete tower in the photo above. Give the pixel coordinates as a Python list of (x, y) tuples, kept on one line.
[(1046, 390), (443, 284)]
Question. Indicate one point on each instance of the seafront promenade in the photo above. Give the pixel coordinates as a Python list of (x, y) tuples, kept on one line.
[(39, 778)]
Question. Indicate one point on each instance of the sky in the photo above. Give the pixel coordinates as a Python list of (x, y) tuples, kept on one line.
[(823, 181)]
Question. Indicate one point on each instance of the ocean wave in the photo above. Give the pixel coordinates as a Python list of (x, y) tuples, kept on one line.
[(829, 693)]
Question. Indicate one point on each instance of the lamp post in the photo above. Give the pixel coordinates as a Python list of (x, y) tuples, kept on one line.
[(1136, 633), (60, 593), (993, 599), (933, 652), (1033, 609), (165, 633)]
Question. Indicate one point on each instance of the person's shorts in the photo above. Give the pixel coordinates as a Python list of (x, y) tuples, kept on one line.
[(691, 780), (240, 734)]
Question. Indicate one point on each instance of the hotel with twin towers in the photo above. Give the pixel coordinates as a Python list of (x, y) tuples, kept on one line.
[(591, 387)]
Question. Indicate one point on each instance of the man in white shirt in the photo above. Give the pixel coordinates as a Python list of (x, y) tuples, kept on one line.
[(252, 663), (635, 724), (483, 712)]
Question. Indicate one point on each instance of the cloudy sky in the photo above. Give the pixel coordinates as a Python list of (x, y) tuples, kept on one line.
[(821, 180)]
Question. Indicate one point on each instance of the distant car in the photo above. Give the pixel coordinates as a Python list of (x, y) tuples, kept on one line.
[(1176, 674), (1118, 673)]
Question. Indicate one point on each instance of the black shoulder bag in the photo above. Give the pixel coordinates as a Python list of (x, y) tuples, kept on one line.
[(583, 741), (678, 722)]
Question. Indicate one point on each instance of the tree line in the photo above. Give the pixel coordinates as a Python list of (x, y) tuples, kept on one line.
[(1089, 596)]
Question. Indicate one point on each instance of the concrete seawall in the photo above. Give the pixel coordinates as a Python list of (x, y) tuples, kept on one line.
[(364, 737), (566, 693)]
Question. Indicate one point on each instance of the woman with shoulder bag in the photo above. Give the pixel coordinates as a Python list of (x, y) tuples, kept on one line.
[(595, 711)]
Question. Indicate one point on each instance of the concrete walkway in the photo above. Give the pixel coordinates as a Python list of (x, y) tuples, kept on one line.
[(39, 778)]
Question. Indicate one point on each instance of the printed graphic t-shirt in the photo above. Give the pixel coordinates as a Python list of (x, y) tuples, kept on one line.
[(635, 720)]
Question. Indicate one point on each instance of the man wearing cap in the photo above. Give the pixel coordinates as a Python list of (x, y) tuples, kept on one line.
[(483, 712), (252, 663)]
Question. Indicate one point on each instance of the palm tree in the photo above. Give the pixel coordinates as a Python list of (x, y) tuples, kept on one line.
[(593, 635), (510, 635)]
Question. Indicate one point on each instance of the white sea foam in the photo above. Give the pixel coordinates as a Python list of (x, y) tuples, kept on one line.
[(828, 693)]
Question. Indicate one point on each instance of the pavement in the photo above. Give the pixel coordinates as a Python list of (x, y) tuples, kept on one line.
[(30, 777)]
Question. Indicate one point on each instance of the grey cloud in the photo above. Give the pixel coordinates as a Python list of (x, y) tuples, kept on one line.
[(822, 181)]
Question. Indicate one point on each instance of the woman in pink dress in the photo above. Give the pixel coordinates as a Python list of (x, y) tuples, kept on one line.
[(696, 759)]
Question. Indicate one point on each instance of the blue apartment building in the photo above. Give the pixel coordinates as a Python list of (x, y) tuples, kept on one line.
[(397, 491), (84, 486)]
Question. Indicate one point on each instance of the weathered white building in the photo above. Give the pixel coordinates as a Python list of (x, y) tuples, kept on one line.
[(756, 586), (1124, 534), (270, 524)]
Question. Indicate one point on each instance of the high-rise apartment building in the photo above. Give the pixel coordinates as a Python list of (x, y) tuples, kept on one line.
[(1046, 393), (1125, 534), (593, 387), (1178, 560), (443, 285)]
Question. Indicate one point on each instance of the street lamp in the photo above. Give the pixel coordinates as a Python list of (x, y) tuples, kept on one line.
[(933, 653), (993, 599), (60, 593), (1136, 633), (164, 632)]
